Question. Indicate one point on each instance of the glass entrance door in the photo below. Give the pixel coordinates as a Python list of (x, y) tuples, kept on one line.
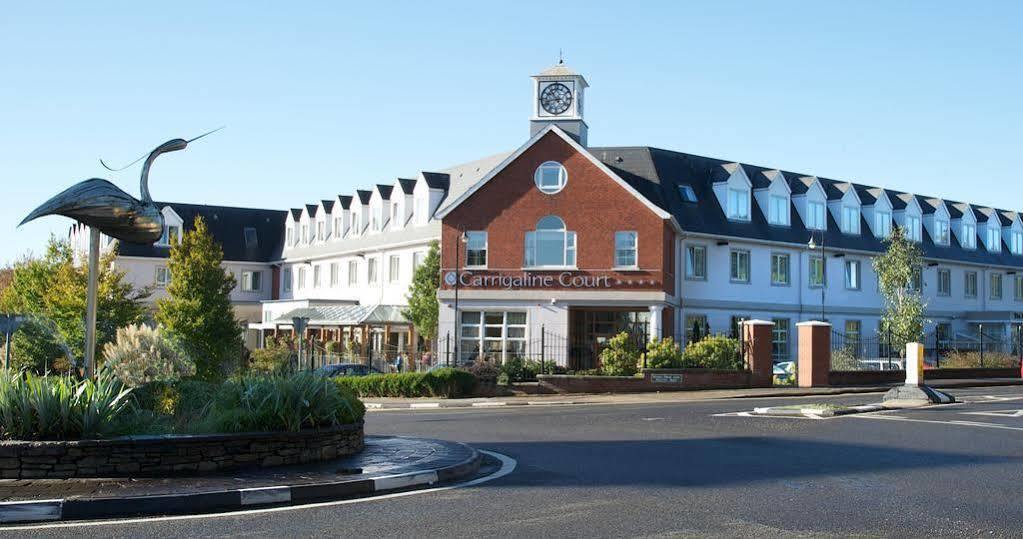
[(591, 329)]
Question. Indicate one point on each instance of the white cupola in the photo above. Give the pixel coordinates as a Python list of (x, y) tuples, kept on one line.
[(558, 99)]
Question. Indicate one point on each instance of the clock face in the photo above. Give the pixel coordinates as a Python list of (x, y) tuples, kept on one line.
[(556, 98)]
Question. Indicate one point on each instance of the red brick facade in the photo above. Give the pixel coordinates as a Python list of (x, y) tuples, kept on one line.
[(592, 204)]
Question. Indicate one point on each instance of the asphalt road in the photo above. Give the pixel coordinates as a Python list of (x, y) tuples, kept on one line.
[(682, 469)]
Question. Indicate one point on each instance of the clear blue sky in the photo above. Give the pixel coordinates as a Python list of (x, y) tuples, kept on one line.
[(320, 99)]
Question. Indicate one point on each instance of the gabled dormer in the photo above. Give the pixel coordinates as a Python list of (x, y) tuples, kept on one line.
[(989, 222), (360, 212), (964, 224), (325, 220), (938, 221), (775, 199), (380, 208), (908, 215), (342, 216), (810, 200), (845, 206), (292, 231), (308, 223), (430, 190), (877, 210), (1012, 231), (173, 224), (402, 200), (734, 192)]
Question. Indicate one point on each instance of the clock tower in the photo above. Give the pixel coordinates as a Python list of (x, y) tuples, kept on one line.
[(558, 99)]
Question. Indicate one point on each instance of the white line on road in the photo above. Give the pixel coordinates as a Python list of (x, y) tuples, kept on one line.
[(508, 465), (949, 422)]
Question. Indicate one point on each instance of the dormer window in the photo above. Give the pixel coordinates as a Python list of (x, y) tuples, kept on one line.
[(419, 210), (969, 240), (994, 240), (319, 231), (913, 228), (687, 193), (305, 234), (337, 228), (375, 219), (251, 239), (355, 224), (171, 235), (882, 224), (289, 237), (395, 219), (778, 210), (1016, 243), (850, 220), (941, 232), (738, 204), (815, 216)]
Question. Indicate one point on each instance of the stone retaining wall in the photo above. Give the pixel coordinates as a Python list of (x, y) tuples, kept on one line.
[(651, 380), (155, 456)]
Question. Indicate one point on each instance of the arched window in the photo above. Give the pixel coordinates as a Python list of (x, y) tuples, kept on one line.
[(550, 245), (550, 177)]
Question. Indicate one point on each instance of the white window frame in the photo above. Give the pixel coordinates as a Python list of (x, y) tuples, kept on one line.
[(1016, 242), (992, 289), (540, 177), (994, 239), (320, 231), (372, 271), (252, 280), (816, 215), (882, 224), (394, 268), (165, 237), (568, 246), (781, 337), (969, 234), (317, 275), (787, 280), (290, 236), (735, 258), (335, 274), (286, 284), (944, 282), (778, 210), (1018, 287), (353, 273), (738, 204), (812, 261), (301, 278), (942, 232), (630, 236), (473, 237), (913, 228), (850, 219), (853, 275), (482, 332), (971, 283), (691, 265)]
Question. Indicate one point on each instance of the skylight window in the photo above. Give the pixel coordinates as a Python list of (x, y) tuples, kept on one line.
[(687, 193), (251, 240)]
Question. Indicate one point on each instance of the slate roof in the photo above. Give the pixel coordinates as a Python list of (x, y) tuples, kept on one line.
[(437, 180), (385, 191), (311, 208), (345, 200), (363, 195), (407, 186), (227, 225), (296, 213), (657, 173), (328, 205)]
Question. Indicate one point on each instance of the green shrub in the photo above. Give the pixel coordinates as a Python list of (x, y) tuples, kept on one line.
[(717, 352), (281, 403), (663, 354), (142, 354), (447, 383), (620, 357), (845, 360), (971, 360), (54, 407), (274, 358), (484, 370), (522, 370)]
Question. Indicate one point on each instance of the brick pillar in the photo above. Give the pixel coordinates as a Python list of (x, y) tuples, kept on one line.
[(814, 362), (757, 351)]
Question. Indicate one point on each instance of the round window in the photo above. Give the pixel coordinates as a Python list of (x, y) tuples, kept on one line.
[(551, 177)]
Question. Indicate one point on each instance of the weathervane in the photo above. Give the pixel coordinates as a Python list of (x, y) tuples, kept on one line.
[(106, 209)]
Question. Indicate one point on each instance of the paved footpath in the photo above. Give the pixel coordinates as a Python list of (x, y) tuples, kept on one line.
[(387, 463), (376, 404)]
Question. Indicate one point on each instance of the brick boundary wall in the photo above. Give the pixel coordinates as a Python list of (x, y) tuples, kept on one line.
[(864, 378), (167, 455), (691, 379)]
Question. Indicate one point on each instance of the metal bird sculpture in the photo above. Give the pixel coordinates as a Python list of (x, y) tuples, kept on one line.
[(102, 205)]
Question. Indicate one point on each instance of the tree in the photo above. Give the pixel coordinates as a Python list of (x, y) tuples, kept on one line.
[(51, 291), (6, 275), (897, 271), (423, 307), (197, 310)]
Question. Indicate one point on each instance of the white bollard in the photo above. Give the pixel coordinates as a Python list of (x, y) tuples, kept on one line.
[(914, 364)]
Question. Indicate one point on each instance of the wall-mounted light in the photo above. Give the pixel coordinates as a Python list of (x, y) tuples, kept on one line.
[(722, 243)]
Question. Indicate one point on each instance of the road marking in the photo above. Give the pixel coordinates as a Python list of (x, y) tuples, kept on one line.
[(265, 495), (949, 422), (998, 413), (508, 465), (485, 404), (415, 405)]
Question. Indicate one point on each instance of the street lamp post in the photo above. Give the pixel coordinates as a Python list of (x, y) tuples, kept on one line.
[(813, 246), (462, 238)]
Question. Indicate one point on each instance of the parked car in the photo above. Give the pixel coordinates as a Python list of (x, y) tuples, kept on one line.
[(784, 371), (348, 369)]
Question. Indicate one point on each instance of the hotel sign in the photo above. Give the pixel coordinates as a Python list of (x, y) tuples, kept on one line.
[(526, 279)]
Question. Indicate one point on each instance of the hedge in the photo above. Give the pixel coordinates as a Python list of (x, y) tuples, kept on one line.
[(447, 383)]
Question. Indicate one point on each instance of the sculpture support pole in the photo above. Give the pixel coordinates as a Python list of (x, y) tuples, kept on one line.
[(90, 306)]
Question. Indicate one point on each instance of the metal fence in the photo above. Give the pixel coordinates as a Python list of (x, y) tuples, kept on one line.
[(884, 351)]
